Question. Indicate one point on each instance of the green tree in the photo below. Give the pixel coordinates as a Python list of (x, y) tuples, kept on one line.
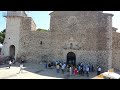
[(39, 29), (2, 36)]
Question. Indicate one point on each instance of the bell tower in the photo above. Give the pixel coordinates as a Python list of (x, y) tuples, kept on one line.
[(13, 27)]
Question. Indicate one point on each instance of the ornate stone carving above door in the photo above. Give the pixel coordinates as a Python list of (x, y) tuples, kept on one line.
[(71, 44)]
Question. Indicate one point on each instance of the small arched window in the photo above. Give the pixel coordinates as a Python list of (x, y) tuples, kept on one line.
[(71, 45), (41, 42)]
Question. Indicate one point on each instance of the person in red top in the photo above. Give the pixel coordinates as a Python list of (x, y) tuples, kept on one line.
[(75, 71)]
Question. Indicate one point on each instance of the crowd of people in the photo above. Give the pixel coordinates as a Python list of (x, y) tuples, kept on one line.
[(62, 67), (79, 69)]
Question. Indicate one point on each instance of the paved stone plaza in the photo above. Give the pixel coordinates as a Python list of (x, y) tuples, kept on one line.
[(35, 71)]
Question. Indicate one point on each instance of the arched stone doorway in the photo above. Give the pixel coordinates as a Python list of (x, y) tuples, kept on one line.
[(71, 58), (12, 50)]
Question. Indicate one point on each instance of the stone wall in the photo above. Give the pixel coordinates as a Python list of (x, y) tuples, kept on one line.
[(34, 45), (116, 59), (116, 50), (33, 25), (87, 31)]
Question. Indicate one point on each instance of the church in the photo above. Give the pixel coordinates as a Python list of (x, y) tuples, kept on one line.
[(74, 36)]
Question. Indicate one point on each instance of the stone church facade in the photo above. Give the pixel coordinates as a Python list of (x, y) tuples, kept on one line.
[(74, 36)]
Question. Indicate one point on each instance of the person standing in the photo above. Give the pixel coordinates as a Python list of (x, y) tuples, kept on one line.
[(79, 69), (83, 69), (58, 68), (60, 65), (99, 70), (63, 67), (92, 68), (21, 67), (87, 71), (10, 63), (70, 69), (75, 71)]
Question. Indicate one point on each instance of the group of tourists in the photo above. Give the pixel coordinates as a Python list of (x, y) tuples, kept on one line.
[(80, 69), (62, 67)]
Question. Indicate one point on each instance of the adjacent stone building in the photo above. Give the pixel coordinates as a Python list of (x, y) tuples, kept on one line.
[(74, 36)]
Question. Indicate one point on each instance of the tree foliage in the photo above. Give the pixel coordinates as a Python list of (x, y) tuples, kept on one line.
[(39, 29), (2, 36)]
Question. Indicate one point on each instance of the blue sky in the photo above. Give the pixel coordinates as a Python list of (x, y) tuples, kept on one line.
[(42, 19)]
